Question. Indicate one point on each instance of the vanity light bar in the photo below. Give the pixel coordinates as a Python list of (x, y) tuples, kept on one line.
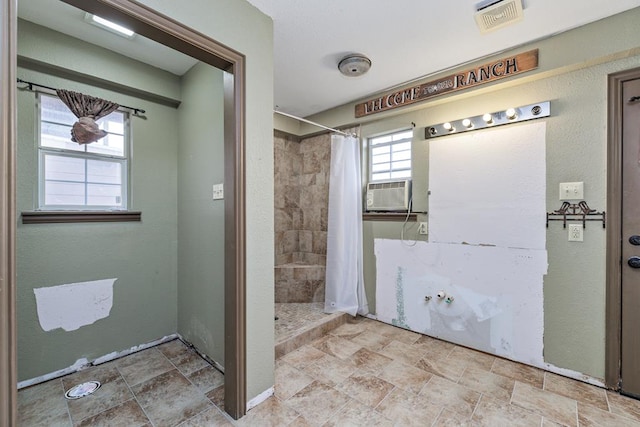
[(505, 117)]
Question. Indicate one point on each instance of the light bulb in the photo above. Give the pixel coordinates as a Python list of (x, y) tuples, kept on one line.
[(448, 126), (488, 118), (467, 123), (511, 113)]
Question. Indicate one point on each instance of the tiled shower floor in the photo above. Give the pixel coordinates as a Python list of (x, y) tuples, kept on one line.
[(295, 317), (298, 324)]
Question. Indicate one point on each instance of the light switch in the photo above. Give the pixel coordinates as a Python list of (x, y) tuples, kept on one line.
[(218, 191), (572, 191)]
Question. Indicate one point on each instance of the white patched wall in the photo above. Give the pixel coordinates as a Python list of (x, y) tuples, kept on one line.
[(486, 248)]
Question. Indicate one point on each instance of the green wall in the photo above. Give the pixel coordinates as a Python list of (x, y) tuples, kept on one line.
[(142, 256), (244, 28), (201, 219), (147, 285), (573, 76)]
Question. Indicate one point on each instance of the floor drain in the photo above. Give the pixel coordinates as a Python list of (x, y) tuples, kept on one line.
[(82, 390)]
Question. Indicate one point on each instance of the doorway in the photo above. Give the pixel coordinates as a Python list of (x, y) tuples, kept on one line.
[(166, 31), (623, 236)]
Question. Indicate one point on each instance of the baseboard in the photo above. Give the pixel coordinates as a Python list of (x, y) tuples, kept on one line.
[(83, 363), (212, 362), (260, 398), (574, 375)]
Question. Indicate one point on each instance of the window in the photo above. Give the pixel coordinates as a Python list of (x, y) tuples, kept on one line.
[(81, 177), (390, 156)]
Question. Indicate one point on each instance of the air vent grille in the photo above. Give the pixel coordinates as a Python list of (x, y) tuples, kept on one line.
[(498, 15), (381, 185)]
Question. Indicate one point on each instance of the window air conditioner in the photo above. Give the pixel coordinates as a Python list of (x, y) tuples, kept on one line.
[(388, 196)]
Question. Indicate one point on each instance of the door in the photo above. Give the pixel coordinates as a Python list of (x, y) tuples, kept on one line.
[(630, 239)]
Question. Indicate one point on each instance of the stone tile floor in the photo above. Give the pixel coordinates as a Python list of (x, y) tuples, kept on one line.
[(364, 373), (298, 324), (293, 317), (167, 385)]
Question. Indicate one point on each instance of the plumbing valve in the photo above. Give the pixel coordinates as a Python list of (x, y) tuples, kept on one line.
[(441, 294), (427, 298), (448, 299)]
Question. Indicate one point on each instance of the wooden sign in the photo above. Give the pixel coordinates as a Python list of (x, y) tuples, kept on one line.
[(486, 73)]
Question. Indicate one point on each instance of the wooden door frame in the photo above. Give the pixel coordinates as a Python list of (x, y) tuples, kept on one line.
[(614, 226), (149, 23), (8, 330)]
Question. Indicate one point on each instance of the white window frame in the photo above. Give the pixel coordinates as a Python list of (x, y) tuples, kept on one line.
[(395, 138), (123, 160)]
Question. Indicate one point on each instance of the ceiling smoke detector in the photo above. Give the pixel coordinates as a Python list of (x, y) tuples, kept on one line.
[(493, 14), (354, 65)]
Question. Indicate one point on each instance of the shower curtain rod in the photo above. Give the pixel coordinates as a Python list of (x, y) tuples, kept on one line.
[(315, 124), (31, 85)]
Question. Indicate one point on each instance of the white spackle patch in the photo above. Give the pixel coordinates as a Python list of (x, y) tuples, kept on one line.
[(489, 187), (74, 305), (498, 295)]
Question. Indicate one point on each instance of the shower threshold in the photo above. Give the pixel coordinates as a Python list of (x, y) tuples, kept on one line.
[(300, 323)]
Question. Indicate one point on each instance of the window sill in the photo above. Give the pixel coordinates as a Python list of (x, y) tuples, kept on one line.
[(47, 217), (389, 216)]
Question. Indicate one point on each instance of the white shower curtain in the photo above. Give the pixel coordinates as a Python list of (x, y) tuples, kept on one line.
[(344, 290)]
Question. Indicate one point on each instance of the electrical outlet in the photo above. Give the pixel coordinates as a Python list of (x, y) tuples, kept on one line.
[(218, 191), (576, 233), (423, 228)]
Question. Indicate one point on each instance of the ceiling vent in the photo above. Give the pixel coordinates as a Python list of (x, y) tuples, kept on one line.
[(493, 14)]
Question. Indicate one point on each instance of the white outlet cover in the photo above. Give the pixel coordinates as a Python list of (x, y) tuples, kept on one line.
[(423, 228), (576, 233), (218, 191)]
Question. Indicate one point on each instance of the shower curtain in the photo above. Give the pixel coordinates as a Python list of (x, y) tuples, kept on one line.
[(344, 289)]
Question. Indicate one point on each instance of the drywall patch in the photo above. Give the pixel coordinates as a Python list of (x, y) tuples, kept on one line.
[(497, 302), (74, 305), (489, 187)]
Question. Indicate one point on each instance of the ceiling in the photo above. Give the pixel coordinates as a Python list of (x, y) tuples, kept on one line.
[(69, 20), (405, 40)]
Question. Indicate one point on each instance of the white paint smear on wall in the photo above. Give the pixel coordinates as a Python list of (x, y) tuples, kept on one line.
[(486, 247), (498, 301), (74, 305), (489, 187)]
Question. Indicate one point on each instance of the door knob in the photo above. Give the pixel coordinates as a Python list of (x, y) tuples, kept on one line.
[(634, 240), (634, 262)]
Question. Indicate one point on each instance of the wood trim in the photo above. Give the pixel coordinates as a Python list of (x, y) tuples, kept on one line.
[(614, 226), (390, 216), (47, 217), (147, 22), (8, 331), (235, 399), (163, 29)]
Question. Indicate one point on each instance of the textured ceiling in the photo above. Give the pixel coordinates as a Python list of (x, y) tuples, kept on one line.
[(405, 39)]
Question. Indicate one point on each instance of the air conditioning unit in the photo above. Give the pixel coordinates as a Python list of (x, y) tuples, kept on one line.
[(388, 196), (493, 14)]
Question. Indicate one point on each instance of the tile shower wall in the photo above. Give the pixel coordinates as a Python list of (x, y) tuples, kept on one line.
[(301, 197)]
